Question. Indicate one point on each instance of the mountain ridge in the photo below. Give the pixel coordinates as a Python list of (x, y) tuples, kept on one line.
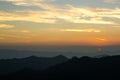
[(33, 62)]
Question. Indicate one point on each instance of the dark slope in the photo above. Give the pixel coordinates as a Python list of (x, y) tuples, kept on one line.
[(32, 62), (86, 67), (83, 68)]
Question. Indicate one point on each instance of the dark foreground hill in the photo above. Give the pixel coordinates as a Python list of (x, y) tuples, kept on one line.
[(84, 68), (32, 62)]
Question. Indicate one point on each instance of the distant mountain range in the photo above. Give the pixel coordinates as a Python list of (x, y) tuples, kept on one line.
[(9, 53), (32, 62), (69, 52), (60, 67), (104, 68)]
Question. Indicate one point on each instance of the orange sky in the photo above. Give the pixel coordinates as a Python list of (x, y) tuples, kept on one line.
[(60, 22)]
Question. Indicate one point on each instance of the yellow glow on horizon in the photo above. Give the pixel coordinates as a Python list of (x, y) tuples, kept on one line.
[(88, 37), (101, 39), (81, 30)]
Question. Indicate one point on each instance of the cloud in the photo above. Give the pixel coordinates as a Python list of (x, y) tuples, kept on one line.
[(6, 26), (7, 35), (81, 30), (1, 38), (18, 31), (39, 3), (39, 16), (24, 2), (111, 1), (25, 31), (101, 39), (109, 13), (15, 34), (53, 14)]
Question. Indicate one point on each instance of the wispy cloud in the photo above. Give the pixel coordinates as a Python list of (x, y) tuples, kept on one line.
[(39, 3), (24, 2), (101, 39), (25, 31), (15, 34), (81, 30), (39, 16), (1, 38), (111, 1), (109, 13), (18, 31), (52, 14), (73, 15), (6, 26)]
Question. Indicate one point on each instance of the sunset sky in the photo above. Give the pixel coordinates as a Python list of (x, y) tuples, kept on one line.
[(60, 22)]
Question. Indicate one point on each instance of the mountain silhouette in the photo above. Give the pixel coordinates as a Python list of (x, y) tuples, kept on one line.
[(32, 62), (83, 68), (86, 67)]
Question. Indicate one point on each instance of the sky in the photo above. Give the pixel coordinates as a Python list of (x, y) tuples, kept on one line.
[(60, 22)]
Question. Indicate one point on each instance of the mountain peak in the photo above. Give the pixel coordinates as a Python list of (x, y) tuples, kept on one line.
[(32, 56), (61, 56)]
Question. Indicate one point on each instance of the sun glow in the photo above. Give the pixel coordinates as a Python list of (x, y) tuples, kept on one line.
[(101, 39)]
